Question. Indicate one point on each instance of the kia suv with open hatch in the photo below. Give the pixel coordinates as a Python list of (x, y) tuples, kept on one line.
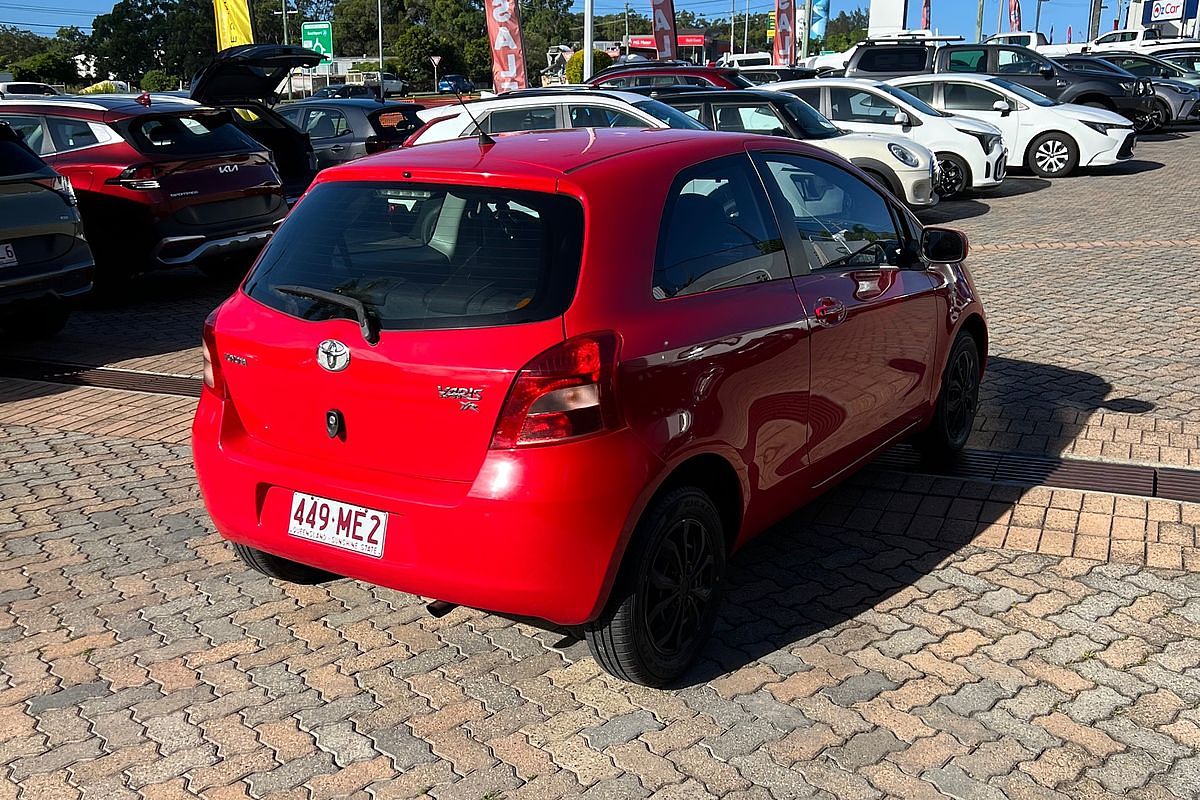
[(519, 386)]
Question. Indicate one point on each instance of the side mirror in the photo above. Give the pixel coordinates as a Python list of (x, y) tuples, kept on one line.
[(1003, 106), (902, 118), (1047, 71), (944, 245)]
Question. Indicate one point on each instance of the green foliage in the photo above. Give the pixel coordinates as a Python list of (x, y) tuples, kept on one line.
[(157, 80), (356, 27), (17, 44), (53, 65), (600, 60), (413, 49), (103, 87)]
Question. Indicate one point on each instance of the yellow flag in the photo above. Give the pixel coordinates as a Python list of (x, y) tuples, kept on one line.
[(233, 23)]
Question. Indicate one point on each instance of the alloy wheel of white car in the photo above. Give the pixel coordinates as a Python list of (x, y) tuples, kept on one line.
[(1053, 155)]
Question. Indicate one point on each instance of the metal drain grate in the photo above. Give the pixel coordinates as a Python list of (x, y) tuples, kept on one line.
[(103, 377), (1141, 480)]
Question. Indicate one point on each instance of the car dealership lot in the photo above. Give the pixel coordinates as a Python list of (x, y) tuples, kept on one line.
[(906, 635)]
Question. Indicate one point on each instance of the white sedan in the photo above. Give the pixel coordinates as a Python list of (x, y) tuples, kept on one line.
[(1052, 139), (971, 154), (546, 109)]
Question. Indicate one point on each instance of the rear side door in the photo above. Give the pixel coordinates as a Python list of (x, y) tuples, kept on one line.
[(872, 321), (861, 111), (331, 135), (1028, 68)]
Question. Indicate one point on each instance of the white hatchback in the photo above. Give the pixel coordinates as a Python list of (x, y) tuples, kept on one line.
[(971, 154), (1052, 139), (546, 109)]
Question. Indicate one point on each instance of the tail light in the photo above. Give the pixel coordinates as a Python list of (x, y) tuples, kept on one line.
[(140, 177), (62, 185), (567, 392), (213, 379)]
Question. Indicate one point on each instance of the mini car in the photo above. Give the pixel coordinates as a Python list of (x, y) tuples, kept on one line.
[(486, 372)]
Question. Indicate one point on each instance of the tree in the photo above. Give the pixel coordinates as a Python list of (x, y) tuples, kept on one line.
[(127, 41), (52, 65), (190, 38), (356, 29), (543, 23), (413, 49), (600, 60), (16, 44), (156, 80)]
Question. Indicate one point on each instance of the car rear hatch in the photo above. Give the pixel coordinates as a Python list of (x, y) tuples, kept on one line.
[(460, 288), (392, 125), (36, 222), (209, 172)]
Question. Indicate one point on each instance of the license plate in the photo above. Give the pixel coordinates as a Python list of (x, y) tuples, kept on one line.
[(354, 528), (8, 256)]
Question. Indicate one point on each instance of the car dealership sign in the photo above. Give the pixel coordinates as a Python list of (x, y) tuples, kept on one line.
[(1163, 10)]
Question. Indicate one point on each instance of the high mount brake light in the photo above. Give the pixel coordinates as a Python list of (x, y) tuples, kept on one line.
[(567, 392)]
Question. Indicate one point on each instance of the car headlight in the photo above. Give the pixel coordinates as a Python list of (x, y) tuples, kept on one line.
[(988, 141), (1130, 88), (1099, 127), (904, 155)]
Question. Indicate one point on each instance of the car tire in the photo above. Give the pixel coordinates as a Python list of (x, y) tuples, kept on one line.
[(954, 178), (1053, 155), (957, 404), (40, 320), (280, 568), (663, 606), (1155, 119)]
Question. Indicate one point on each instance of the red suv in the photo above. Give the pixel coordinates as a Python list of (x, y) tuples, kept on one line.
[(492, 375), (161, 183), (668, 73)]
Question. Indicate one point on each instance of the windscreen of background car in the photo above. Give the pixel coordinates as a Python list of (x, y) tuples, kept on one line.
[(426, 256), (1025, 93), (673, 117), (189, 135), (914, 101)]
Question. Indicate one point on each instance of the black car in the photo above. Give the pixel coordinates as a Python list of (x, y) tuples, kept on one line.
[(342, 130), (345, 90), (769, 74), (44, 258), (885, 60), (244, 79)]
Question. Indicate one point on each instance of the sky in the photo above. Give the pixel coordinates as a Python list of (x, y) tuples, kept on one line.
[(950, 17)]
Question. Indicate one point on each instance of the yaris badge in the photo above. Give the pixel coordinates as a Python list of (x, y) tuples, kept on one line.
[(333, 355)]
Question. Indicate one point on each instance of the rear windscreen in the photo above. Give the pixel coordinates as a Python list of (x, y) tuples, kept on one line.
[(395, 122), (904, 60), (425, 256), (15, 159), (189, 135)]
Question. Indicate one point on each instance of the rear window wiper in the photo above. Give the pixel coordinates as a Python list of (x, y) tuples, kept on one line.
[(368, 323)]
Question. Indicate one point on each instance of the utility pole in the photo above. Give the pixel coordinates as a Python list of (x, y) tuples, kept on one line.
[(379, 3), (979, 23), (1037, 16), (746, 30), (589, 36), (999, 16), (802, 30), (627, 29), (732, 26)]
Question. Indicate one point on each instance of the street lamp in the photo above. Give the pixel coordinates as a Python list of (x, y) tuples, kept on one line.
[(1037, 17)]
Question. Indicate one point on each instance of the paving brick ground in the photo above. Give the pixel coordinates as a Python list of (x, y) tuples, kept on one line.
[(905, 637)]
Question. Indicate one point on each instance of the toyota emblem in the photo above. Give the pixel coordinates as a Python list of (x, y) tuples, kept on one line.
[(333, 355)]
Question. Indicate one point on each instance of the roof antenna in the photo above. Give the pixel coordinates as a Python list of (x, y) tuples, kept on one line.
[(485, 140)]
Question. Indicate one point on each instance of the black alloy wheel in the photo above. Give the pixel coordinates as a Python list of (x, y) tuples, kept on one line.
[(961, 396), (678, 587), (952, 176)]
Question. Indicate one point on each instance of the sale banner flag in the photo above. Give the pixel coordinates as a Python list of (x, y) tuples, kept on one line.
[(784, 50), (508, 48)]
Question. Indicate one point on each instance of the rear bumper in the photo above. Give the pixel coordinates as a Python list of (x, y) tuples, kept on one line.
[(177, 251), (538, 533), (68, 277)]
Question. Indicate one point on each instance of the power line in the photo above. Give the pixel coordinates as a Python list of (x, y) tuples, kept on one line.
[(40, 25), (49, 10)]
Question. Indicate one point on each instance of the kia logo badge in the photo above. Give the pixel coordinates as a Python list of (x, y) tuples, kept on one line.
[(333, 355), (227, 168)]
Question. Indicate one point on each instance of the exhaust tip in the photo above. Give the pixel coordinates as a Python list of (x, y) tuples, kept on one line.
[(440, 608)]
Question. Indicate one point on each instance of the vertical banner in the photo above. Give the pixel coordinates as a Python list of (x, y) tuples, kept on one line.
[(233, 23), (1068, 34), (820, 16), (784, 50), (665, 38), (1014, 15), (508, 49), (925, 16)]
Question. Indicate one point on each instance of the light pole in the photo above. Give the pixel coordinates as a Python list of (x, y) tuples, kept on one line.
[(380, 9), (979, 23), (732, 28), (999, 16), (746, 30), (589, 37), (1037, 16)]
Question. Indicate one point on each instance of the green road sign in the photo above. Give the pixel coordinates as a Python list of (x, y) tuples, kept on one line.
[(318, 36)]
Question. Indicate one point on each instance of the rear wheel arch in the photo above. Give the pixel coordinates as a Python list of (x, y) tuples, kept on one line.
[(717, 478), (1095, 100)]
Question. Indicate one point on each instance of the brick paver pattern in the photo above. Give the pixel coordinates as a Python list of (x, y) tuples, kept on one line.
[(905, 637)]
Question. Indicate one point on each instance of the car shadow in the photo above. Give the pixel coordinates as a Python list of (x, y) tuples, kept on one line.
[(1133, 166), (879, 533), (977, 204)]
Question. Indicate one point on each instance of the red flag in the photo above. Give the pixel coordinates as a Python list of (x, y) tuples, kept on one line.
[(1014, 15), (665, 38), (784, 51), (925, 15), (508, 49), (1068, 34)]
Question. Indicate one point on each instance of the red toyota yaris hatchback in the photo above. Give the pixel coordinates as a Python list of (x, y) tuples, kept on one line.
[(566, 374)]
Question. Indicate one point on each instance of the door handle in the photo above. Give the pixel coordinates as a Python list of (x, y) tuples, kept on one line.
[(337, 148), (829, 311)]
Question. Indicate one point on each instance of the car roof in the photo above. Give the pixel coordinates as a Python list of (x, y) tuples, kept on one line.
[(809, 82), (353, 102), (522, 98), (725, 94), (125, 105), (547, 156)]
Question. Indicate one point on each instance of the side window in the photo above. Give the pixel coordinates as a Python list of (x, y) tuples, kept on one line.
[(695, 112), (717, 232), (600, 117), (1014, 62), (534, 118), (853, 105), (968, 60), (969, 97), (755, 118), (924, 91), (614, 83), (811, 96), (842, 221), (292, 115), (325, 123), (33, 131), (71, 134)]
